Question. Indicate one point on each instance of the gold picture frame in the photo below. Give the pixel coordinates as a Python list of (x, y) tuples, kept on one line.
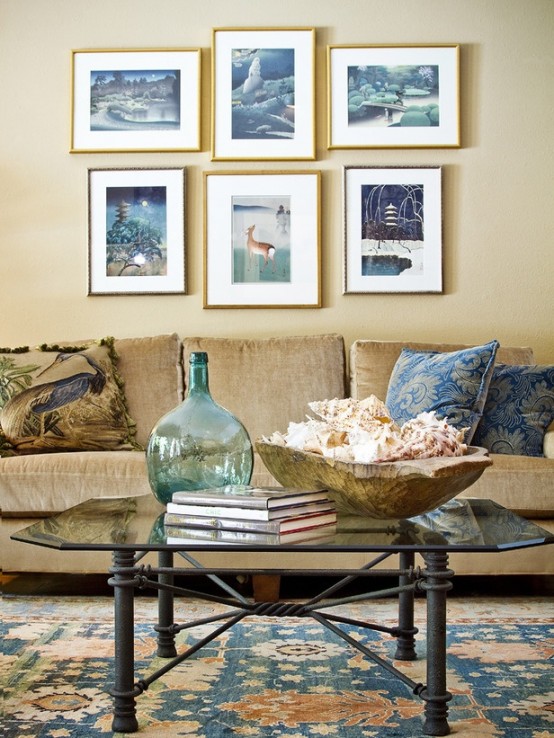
[(263, 94), (393, 96), (137, 100), (262, 239)]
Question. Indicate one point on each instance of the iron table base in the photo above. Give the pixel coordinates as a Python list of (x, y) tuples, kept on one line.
[(434, 580)]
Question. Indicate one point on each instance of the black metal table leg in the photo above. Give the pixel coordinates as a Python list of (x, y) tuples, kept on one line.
[(434, 580), (405, 644), (123, 582), (436, 584), (166, 634)]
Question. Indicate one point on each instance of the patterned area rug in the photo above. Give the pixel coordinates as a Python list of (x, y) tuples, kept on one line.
[(269, 678)]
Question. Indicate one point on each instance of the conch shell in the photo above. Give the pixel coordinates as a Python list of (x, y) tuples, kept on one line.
[(363, 431)]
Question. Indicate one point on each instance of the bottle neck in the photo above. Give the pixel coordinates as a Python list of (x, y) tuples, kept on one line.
[(198, 379)]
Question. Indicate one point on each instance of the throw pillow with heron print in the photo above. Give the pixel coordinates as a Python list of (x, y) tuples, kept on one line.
[(57, 398)]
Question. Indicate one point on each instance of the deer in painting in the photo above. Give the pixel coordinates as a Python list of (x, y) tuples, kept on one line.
[(267, 250)]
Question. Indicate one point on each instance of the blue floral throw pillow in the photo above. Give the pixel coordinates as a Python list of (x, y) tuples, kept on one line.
[(518, 410), (453, 383)]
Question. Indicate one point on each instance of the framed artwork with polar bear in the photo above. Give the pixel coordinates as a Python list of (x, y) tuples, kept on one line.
[(263, 94)]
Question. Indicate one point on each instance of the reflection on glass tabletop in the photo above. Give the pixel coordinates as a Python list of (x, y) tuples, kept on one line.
[(137, 523)]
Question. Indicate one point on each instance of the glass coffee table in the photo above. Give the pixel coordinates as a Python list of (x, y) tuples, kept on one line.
[(131, 527)]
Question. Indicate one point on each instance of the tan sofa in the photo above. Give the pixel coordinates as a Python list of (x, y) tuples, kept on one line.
[(266, 383)]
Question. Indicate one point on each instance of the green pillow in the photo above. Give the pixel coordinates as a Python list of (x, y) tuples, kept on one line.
[(454, 384), (62, 399)]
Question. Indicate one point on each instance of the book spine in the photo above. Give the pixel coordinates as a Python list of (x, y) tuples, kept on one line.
[(192, 498), (201, 521), (217, 511), (239, 537), (263, 526), (191, 535), (255, 497)]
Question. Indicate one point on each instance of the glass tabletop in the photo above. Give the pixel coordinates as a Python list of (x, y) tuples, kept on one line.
[(137, 523)]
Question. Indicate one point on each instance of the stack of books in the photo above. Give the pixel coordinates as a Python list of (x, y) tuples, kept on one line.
[(245, 514)]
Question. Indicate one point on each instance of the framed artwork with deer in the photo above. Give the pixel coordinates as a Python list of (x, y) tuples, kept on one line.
[(262, 239), (136, 231)]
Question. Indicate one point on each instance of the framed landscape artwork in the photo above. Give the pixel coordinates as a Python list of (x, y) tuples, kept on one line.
[(135, 100), (263, 93), (262, 239), (393, 96), (392, 229), (136, 220)]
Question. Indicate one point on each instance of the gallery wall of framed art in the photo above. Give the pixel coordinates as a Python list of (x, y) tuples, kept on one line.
[(262, 228), (453, 75)]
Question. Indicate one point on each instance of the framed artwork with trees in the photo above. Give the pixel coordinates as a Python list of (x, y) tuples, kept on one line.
[(392, 229), (136, 231), (135, 100), (392, 96)]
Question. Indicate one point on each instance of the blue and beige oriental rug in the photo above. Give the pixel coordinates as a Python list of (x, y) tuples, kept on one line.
[(267, 678)]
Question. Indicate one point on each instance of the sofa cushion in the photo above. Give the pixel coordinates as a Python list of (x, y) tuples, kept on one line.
[(524, 484), (268, 382), (55, 482), (372, 362), (454, 384), (518, 410), (548, 443), (151, 370), (59, 398)]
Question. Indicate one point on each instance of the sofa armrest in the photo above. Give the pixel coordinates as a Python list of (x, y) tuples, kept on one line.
[(548, 443)]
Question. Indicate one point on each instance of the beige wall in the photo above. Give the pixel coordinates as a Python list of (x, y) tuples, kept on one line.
[(498, 209)]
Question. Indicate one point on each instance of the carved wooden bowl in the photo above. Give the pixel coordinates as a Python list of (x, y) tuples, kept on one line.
[(397, 489)]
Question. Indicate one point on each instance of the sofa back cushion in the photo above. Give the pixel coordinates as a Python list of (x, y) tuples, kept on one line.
[(268, 382), (372, 362), (152, 373)]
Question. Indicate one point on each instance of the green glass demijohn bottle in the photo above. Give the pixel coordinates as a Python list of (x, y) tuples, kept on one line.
[(199, 444)]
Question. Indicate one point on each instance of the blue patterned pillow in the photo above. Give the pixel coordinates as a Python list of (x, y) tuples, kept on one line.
[(453, 383), (518, 410)]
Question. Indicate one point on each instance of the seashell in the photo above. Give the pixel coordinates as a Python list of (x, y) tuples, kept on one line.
[(364, 432)]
